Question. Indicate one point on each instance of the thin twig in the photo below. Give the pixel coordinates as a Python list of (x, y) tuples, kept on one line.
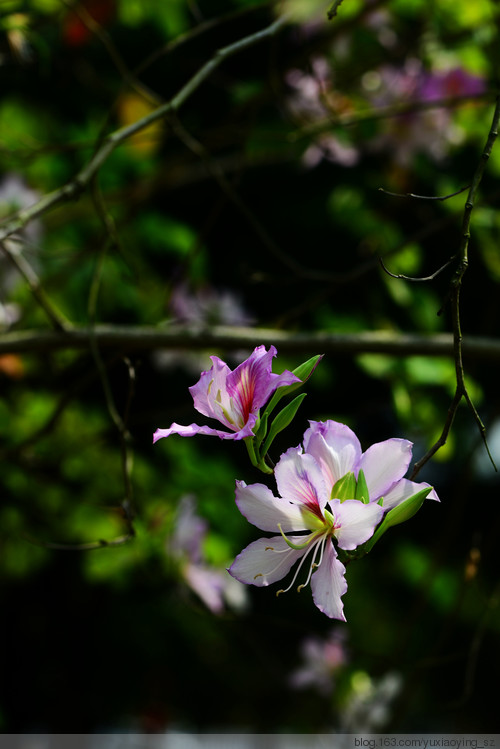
[(474, 648), (214, 169), (79, 183), (198, 30), (26, 271), (413, 278), (52, 421), (383, 113), (92, 305), (454, 298), (119, 422), (424, 197), (333, 9), (95, 28)]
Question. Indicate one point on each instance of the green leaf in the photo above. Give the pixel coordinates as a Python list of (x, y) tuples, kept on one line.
[(303, 372), (344, 488), (362, 488), (282, 420), (261, 429), (397, 515)]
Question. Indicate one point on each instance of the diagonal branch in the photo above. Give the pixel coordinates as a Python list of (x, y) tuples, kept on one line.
[(420, 278), (27, 272), (79, 183), (95, 28)]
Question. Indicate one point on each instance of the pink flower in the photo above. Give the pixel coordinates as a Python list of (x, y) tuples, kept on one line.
[(306, 510), (332, 498), (233, 397), (338, 452)]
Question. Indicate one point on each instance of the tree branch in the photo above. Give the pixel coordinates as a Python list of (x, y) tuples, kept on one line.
[(150, 338), (454, 299), (79, 183), (26, 271)]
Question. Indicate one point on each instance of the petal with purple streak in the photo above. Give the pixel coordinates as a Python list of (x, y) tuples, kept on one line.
[(300, 481)]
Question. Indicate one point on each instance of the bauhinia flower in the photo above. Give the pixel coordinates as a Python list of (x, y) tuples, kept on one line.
[(332, 498), (308, 521), (233, 397), (372, 476)]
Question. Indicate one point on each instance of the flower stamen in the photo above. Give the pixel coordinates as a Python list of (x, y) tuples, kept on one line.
[(321, 543), (298, 547), (276, 551), (311, 548)]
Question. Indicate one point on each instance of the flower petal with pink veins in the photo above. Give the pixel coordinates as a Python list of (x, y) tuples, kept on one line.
[(328, 584), (300, 480), (233, 398)]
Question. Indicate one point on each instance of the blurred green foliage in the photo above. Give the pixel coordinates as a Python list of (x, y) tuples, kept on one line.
[(258, 204)]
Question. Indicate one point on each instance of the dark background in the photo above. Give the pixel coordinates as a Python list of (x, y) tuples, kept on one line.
[(223, 199)]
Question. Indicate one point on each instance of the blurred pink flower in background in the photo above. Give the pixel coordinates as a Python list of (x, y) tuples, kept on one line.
[(208, 306), (322, 660), (454, 82), (213, 586), (312, 98), (203, 307), (430, 131)]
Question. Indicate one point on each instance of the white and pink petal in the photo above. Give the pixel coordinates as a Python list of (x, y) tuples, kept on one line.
[(355, 522), (266, 561), (210, 394), (300, 480), (328, 584), (260, 507), (385, 463), (193, 429), (403, 490), (335, 448)]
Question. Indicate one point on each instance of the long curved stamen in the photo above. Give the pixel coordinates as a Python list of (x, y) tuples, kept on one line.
[(317, 564), (314, 564), (311, 547), (298, 547)]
